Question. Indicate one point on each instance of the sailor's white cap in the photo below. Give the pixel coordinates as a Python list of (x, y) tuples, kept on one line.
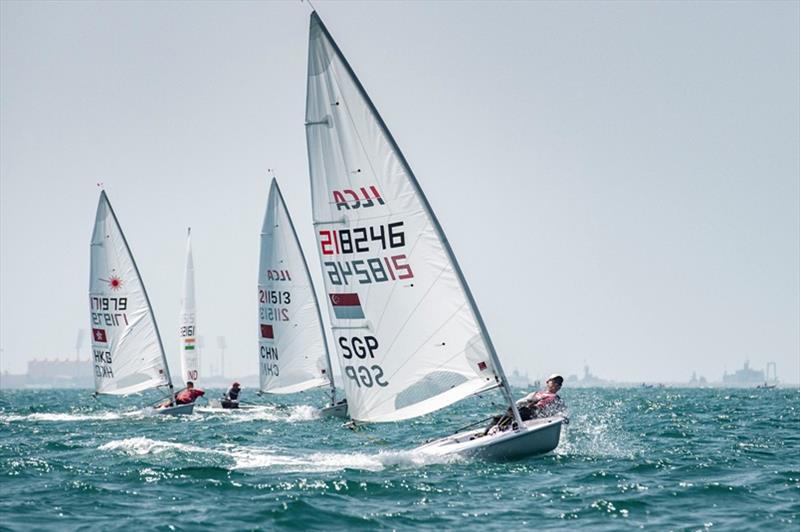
[(555, 376)]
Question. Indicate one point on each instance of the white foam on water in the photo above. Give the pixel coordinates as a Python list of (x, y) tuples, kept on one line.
[(325, 462), (303, 413), (47, 416), (269, 458), (600, 434), (142, 446), (264, 413)]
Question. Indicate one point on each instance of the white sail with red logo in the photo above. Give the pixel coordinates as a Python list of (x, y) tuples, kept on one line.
[(293, 353), (127, 352), (187, 329), (408, 335)]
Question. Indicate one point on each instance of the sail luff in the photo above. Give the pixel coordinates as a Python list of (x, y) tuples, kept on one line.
[(329, 369), (478, 319)]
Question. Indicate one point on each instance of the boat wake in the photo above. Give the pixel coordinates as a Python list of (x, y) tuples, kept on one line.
[(294, 414), (243, 458)]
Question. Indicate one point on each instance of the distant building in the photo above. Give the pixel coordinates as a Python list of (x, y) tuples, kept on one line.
[(56, 373), (519, 380), (744, 377), (588, 380), (697, 381)]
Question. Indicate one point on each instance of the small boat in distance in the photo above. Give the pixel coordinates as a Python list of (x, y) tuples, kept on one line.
[(409, 337), (128, 355), (187, 330), (293, 351)]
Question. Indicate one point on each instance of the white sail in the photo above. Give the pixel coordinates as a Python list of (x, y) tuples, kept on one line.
[(293, 353), (127, 352), (187, 330), (408, 336)]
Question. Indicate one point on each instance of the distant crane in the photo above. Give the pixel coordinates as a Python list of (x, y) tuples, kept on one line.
[(222, 344)]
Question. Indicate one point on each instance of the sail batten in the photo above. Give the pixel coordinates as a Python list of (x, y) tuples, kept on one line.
[(293, 352), (128, 354), (389, 270)]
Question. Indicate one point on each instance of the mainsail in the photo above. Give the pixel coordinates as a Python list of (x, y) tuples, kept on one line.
[(293, 352), (187, 330), (408, 335), (127, 352)]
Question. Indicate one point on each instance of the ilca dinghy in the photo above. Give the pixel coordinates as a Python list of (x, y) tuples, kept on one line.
[(409, 337), (128, 355), (293, 351)]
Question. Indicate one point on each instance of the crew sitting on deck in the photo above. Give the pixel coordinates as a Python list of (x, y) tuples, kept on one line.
[(188, 394), (231, 397), (537, 404)]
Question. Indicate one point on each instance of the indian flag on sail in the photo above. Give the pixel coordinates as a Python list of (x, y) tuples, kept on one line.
[(188, 344)]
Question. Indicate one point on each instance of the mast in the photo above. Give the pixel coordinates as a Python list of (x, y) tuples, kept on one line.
[(498, 368), (314, 293), (144, 291)]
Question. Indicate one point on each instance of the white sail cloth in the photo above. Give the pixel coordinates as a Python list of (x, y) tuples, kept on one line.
[(406, 332), (126, 347), (187, 330), (292, 349)]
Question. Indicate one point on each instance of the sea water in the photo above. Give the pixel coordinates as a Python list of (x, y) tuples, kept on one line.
[(661, 458)]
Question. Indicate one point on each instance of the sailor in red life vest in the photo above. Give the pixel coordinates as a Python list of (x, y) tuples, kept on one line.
[(542, 404), (537, 404), (188, 394)]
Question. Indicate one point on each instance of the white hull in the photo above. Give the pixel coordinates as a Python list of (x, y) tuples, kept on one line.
[(537, 436), (337, 410), (177, 410)]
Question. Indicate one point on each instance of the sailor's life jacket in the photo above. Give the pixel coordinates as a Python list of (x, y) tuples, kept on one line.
[(233, 393), (540, 404), (188, 396)]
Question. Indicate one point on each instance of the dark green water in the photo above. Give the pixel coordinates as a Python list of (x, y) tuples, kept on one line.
[(631, 458)]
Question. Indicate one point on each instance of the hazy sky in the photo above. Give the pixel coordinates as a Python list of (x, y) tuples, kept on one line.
[(620, 181)]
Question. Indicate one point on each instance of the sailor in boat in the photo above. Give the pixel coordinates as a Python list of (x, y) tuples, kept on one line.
[(188, 394), (536, 404), (231, 397)]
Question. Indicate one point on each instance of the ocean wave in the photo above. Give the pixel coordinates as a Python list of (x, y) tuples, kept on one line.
[(47, 416)]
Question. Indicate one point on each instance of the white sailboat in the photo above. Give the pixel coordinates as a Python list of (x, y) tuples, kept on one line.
[(409, 337), (128, 354), (187, 330), (293, 352)]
